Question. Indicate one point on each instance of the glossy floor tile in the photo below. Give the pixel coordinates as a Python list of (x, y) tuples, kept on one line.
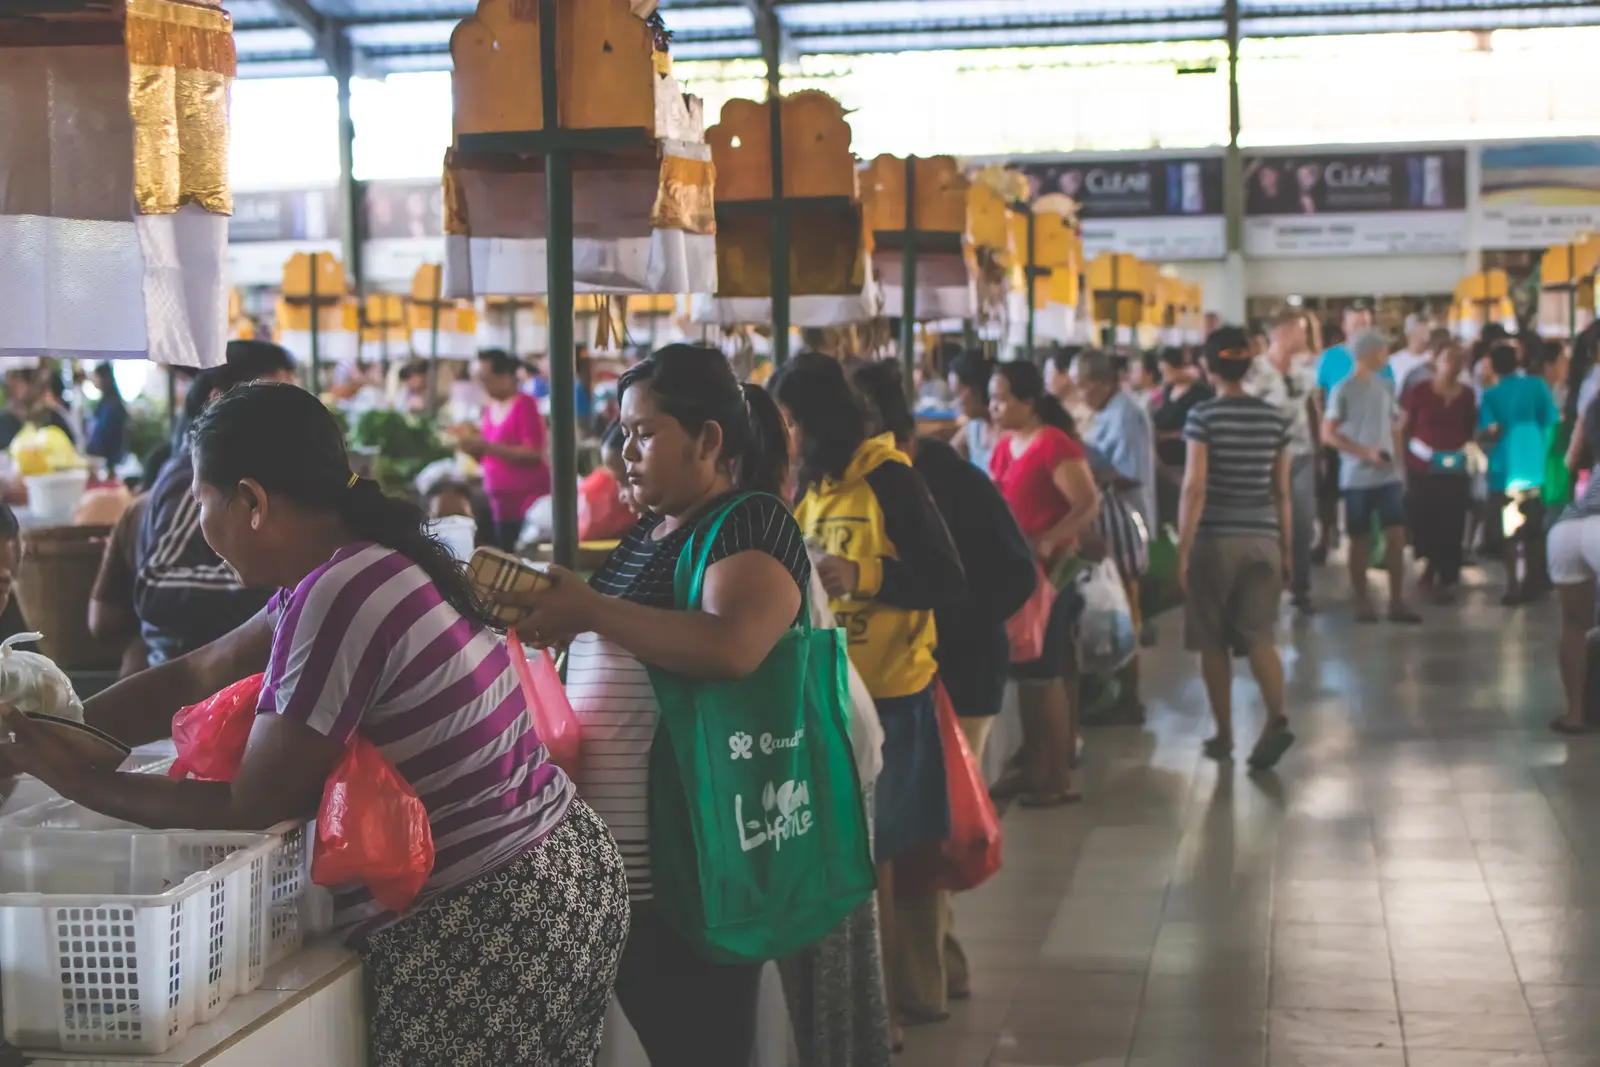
[(1417, 886)]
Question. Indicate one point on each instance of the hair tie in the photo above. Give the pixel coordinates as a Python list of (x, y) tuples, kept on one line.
[(351, 484), (1235, 353)]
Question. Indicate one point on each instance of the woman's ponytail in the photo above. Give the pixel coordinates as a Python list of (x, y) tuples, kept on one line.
[(374, 515), (1052, 413), (764, 468)]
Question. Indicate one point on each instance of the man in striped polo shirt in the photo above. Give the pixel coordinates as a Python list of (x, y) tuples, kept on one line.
[(1234, 552)]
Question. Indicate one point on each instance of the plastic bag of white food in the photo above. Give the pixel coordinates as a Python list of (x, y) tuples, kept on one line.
[(32, 683), (1106, 641)]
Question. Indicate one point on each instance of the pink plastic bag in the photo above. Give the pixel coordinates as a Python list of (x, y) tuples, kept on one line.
[(553, 717), (372, 828), (1026, 628), (211, 736)]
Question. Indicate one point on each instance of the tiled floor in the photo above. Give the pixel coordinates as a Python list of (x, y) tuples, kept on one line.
[(1417, 886)]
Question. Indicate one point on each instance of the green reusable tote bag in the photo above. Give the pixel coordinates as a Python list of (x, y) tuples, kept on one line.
[(758, 840)]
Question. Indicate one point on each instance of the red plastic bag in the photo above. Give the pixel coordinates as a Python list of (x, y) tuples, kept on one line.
[(211, 735), (971, 854), (1025, 629), (601, 513), (553, 718), (372, 828)]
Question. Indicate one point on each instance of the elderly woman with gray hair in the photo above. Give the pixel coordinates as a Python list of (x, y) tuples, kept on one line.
[(1121, 443)]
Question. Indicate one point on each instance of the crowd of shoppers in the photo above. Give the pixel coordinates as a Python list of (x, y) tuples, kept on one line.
[(833, 511)]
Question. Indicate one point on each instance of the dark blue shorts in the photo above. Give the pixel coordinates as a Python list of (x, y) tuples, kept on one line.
[(1387, 502), (911, 798)]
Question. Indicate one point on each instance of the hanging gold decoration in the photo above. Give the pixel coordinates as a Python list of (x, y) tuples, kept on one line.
[(181, 64)]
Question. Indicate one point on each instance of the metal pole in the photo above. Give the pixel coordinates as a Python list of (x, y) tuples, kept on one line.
[(558, 275), (513, 306), (780, 216), (908, 283), (1031, 272), (433, 344), (352, 231), (316, 354), (1572, 301), (1233, 160)]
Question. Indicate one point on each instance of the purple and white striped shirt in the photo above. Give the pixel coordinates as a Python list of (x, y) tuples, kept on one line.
[(366, 642)]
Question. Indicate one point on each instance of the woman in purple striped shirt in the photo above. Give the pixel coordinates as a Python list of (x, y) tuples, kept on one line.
[(509, 954)]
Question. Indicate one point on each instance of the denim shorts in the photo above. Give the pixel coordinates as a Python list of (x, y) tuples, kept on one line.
[(912, 805), (1387, 502)]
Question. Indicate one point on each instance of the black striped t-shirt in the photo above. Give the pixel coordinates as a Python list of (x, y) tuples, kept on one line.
[(1243, 436), (610, 689)]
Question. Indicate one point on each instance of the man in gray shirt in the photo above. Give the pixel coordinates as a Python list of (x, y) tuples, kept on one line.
[(1363, 423)]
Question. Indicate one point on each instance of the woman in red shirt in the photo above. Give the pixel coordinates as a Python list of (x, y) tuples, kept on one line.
[(1441, 418), (1043, 473)]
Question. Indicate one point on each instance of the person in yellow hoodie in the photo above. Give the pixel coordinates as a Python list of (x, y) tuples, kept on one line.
[(887, 561)]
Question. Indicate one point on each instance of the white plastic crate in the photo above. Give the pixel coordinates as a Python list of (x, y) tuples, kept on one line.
[(118, 941), (288, 882)]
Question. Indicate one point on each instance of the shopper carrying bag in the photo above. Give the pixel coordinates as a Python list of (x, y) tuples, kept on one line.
[(761, 841)]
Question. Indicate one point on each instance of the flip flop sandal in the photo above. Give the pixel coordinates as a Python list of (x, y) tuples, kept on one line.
[(1366, 616), (922, 1017), (1270, 749), (1218, 749), (1561, 726), (1048, 800), (1406, 618), (1010, 786)]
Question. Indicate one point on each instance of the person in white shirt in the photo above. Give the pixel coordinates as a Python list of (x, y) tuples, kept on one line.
[(1413, 362), (1285, 376)]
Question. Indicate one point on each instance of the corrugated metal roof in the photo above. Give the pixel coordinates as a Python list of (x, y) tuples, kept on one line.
[(409, 35)]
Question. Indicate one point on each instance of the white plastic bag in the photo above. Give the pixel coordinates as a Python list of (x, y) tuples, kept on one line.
[(33, 684), (1106, 641)]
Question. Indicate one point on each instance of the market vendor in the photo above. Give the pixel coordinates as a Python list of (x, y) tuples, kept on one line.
[(509, 953), (511, 442)]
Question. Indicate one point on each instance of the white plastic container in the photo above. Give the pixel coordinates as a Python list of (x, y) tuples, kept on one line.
[(117, 941), (52, 498), (288, 884)]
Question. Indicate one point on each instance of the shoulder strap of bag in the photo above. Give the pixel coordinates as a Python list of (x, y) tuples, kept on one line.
[(689, 578)]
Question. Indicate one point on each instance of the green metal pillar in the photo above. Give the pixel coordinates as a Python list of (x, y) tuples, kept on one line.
[(771, 41), (1233, 305), (1032, 273), (558, 286), (315, 382), (908, 282), (352, 230)]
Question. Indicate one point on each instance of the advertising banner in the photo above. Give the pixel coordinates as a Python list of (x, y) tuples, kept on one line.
[(395, 210), (1538, 195), (1157, 209), (1356, 203)]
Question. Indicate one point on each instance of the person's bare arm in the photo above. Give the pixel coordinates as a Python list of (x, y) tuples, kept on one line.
[(520, 455), (1074, 480), (1192, 504), (749, 600), (139, 709), (1331, 436), (1282, 501), (285, 766), (1576, 445)]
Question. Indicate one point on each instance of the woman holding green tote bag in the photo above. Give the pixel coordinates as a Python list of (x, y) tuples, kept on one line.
[(701, 604)]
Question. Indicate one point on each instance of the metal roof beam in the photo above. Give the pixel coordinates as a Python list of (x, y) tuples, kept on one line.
[(327, 35)]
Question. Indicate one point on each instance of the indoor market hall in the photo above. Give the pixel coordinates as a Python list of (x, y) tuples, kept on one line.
[(1415, 885)]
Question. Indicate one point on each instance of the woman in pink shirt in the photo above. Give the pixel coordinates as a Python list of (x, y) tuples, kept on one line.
[(511, 443)]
